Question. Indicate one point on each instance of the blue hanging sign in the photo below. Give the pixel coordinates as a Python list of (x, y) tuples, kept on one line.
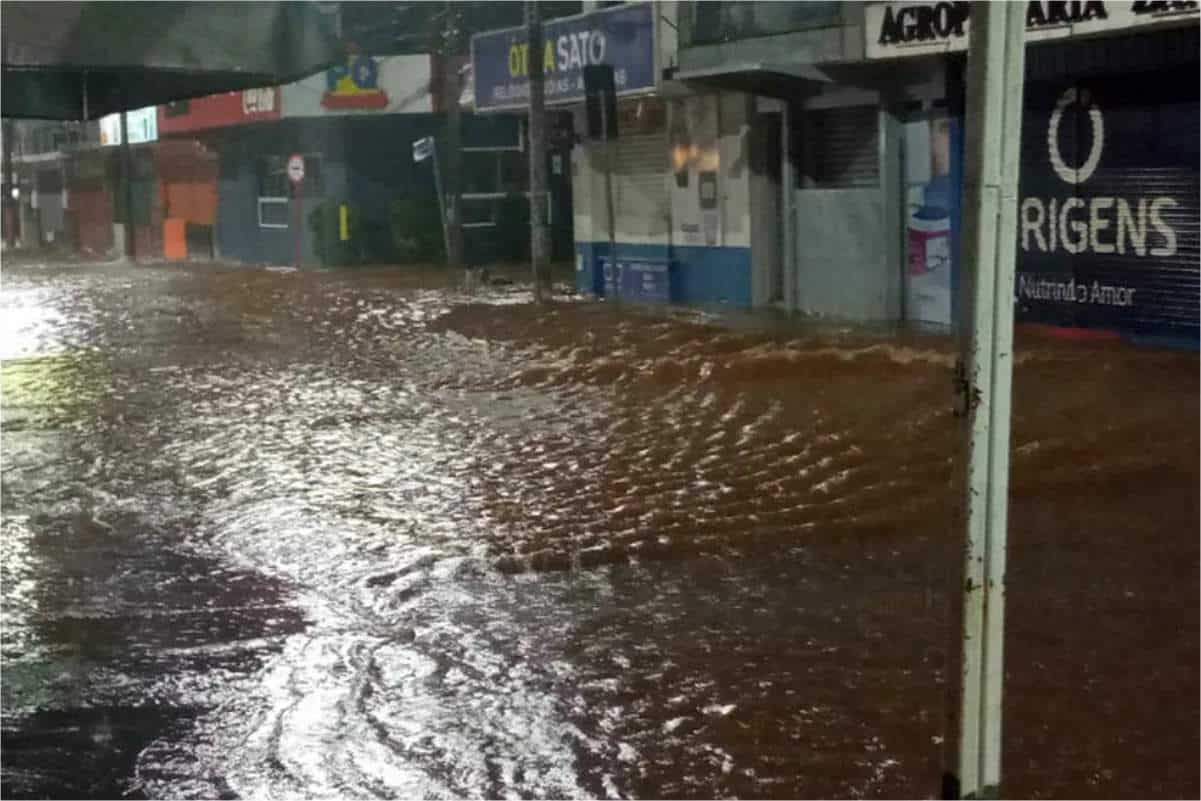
[(622, 36)]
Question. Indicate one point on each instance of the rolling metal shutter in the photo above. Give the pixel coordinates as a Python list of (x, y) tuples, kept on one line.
[(1111, 188), (640, 199), (841, 147)]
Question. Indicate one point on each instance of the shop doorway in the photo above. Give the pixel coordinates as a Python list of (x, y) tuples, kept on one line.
[(930, 205), (843, 245), (767, 218)]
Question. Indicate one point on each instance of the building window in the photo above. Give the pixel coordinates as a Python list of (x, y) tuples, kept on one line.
[(514, 171), (275, 189), (273, 176), (489, 175), (840, 148), (273, 212), (479, 212)]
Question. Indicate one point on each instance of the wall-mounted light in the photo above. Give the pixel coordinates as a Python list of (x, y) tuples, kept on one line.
[(679, 158)]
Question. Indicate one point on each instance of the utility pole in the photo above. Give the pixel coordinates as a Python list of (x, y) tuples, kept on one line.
[(451, 38), (131, 248), (9, 204), (6, 184), (610, 210), (984, 377), (539, 235)]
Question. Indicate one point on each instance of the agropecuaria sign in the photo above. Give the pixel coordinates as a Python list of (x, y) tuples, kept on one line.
[(622, 37), (911, 29)]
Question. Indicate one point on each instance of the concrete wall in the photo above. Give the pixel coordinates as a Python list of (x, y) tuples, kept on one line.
[(639, 202), (840, 258), (681, 197), (365, 161), (238, 234), (766, 197), (848, 248)]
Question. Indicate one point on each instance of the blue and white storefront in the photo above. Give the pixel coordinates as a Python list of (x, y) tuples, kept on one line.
[(1109, 241), (680, 179)]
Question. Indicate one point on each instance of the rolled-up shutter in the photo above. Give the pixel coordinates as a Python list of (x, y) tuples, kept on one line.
[(841, 147), (1111, 186), (640, 185)]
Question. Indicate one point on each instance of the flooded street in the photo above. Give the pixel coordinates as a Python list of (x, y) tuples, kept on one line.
[(300, 534)]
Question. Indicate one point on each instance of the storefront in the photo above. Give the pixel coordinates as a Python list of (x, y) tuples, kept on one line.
[(39, 210), (145, 190), (90, 176), (677, 168), (353, 125), (187, 164), (1109, 206), (1109, 209)]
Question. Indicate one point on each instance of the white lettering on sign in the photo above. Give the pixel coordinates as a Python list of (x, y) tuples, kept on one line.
[(915, 28), (1101, 225), (258, 101), (1097, 294), (1085, 170), (1098, 225), (578, 50)]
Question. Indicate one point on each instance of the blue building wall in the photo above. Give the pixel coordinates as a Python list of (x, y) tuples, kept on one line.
[(698, 274), (238, 234), (365, 161)]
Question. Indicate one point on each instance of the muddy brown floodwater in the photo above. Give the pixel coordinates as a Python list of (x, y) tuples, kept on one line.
[(272, 533)]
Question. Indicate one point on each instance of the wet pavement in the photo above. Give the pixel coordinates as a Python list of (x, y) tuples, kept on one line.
[(273, 533)]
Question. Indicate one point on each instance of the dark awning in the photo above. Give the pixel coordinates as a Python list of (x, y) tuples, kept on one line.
[(772, 80), (82, 60)]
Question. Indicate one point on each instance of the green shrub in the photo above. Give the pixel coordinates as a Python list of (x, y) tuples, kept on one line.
[(325, 225), (417, 230)]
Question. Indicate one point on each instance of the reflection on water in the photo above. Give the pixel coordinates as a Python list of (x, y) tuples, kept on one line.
[(276, 534)]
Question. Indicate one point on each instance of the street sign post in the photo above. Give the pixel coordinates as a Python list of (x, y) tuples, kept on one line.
[(424, 148), (296, 176)]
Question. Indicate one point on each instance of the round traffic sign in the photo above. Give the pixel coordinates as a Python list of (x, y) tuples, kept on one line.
[(296, 168)]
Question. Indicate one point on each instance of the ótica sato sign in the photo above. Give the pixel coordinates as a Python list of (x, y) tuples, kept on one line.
[(622, 36), (910, 29)]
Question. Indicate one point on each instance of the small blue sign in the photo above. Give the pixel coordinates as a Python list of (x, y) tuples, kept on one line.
[(623, 37), (641, 279)]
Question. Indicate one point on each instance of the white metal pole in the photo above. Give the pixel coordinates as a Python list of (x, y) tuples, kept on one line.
[(996, 60)]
